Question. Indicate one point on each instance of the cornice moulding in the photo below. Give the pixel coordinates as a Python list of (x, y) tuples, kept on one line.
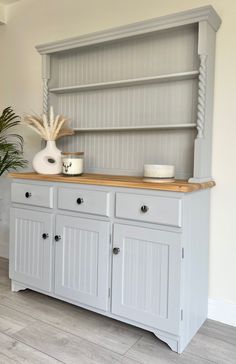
[(206, 13)]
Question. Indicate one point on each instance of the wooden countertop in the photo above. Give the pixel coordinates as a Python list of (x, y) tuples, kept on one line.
[(116, 181)]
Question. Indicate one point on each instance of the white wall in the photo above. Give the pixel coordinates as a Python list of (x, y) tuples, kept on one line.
[(31, 22)]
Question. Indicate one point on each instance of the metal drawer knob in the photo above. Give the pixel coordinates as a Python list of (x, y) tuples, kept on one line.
[(28, 194), (45, 236), (144, 208), (57, 237), (80, 200), (116, 250)]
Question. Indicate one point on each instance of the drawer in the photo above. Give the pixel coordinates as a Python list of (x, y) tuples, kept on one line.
[(36, 195), (154, 209), (86, 201)]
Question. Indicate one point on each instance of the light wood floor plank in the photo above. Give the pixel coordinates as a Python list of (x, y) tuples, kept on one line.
[(13, 351), (4, 289), (4, 359), (65, 347), (149, 350), (219, 331), (126, 360), (4, 275), (205, 346), (109, 333), (12, 321)]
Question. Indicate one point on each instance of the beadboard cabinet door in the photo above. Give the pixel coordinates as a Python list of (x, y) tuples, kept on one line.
[(31, 248), (146, 276), (82, 260)]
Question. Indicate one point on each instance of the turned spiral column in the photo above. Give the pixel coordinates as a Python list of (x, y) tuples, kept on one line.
[(45, 95), (46, 78), (201, 96)]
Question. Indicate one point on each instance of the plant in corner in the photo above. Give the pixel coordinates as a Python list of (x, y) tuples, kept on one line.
[(11, 144)]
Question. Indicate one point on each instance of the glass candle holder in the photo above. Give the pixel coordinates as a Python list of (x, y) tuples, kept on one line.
[(72, 163)]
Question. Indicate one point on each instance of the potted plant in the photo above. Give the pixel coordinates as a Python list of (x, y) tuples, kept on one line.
[(11, 144)]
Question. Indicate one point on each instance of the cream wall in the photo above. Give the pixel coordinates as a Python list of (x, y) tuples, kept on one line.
[(2, 14), (31, 22)]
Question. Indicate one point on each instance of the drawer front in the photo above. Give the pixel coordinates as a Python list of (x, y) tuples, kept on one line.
[(86, 201), (35, 195), (154, 209)]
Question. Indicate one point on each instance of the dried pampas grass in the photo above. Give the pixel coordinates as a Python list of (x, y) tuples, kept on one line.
[(49, 128)]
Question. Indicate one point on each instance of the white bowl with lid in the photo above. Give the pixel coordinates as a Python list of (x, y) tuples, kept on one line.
[(159, 170)]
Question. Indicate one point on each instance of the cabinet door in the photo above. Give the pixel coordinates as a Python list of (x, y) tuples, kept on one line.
[(31, 248), (82, 260), (146, 276)]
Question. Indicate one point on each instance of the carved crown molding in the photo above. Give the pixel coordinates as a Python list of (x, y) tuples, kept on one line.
[(206, 13)]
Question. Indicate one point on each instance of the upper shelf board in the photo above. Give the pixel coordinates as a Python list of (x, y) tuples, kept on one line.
[(130, 82), (205, 13)]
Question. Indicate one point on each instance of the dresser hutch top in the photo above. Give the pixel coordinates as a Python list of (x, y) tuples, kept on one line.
[(139, 93)]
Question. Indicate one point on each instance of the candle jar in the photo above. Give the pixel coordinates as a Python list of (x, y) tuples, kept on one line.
[(72, 163)]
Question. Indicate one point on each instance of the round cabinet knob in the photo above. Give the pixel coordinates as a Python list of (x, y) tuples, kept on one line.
[(116, 250), (28, 194), (80, 200), (144, 208), (44, 236), (57, 237)]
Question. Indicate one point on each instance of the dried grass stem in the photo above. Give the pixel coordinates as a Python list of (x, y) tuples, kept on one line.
[(48, 127)]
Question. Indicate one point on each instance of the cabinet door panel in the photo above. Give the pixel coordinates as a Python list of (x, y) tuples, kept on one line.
[(82, 260), (146, 276), (30, 254)]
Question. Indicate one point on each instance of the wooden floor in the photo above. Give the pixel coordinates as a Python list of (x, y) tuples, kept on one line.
[(38, 329)]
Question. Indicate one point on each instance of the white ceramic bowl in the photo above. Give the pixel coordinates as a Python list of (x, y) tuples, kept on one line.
[(159, 170)]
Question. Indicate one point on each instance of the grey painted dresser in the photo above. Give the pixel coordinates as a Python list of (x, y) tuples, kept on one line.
[(130, 250), (134, 251)]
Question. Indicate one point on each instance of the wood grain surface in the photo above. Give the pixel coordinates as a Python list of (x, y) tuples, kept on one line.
[(116, 181)]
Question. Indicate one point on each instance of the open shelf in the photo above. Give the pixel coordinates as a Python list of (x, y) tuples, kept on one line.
[(130, 101), (141, 127), (123, 83)]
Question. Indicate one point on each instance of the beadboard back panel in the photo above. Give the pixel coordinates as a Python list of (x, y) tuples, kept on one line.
[(126, 152), (169, 51), (141, 105)]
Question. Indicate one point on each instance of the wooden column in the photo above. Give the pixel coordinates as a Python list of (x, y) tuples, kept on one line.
[(203, 141)]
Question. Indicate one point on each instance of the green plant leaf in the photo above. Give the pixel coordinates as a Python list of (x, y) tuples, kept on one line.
[(11, 144)]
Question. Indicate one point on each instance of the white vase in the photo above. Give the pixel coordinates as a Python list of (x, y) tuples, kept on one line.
[(48, 160)]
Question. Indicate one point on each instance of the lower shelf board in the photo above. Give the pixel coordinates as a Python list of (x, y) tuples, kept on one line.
[(130, 128)]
